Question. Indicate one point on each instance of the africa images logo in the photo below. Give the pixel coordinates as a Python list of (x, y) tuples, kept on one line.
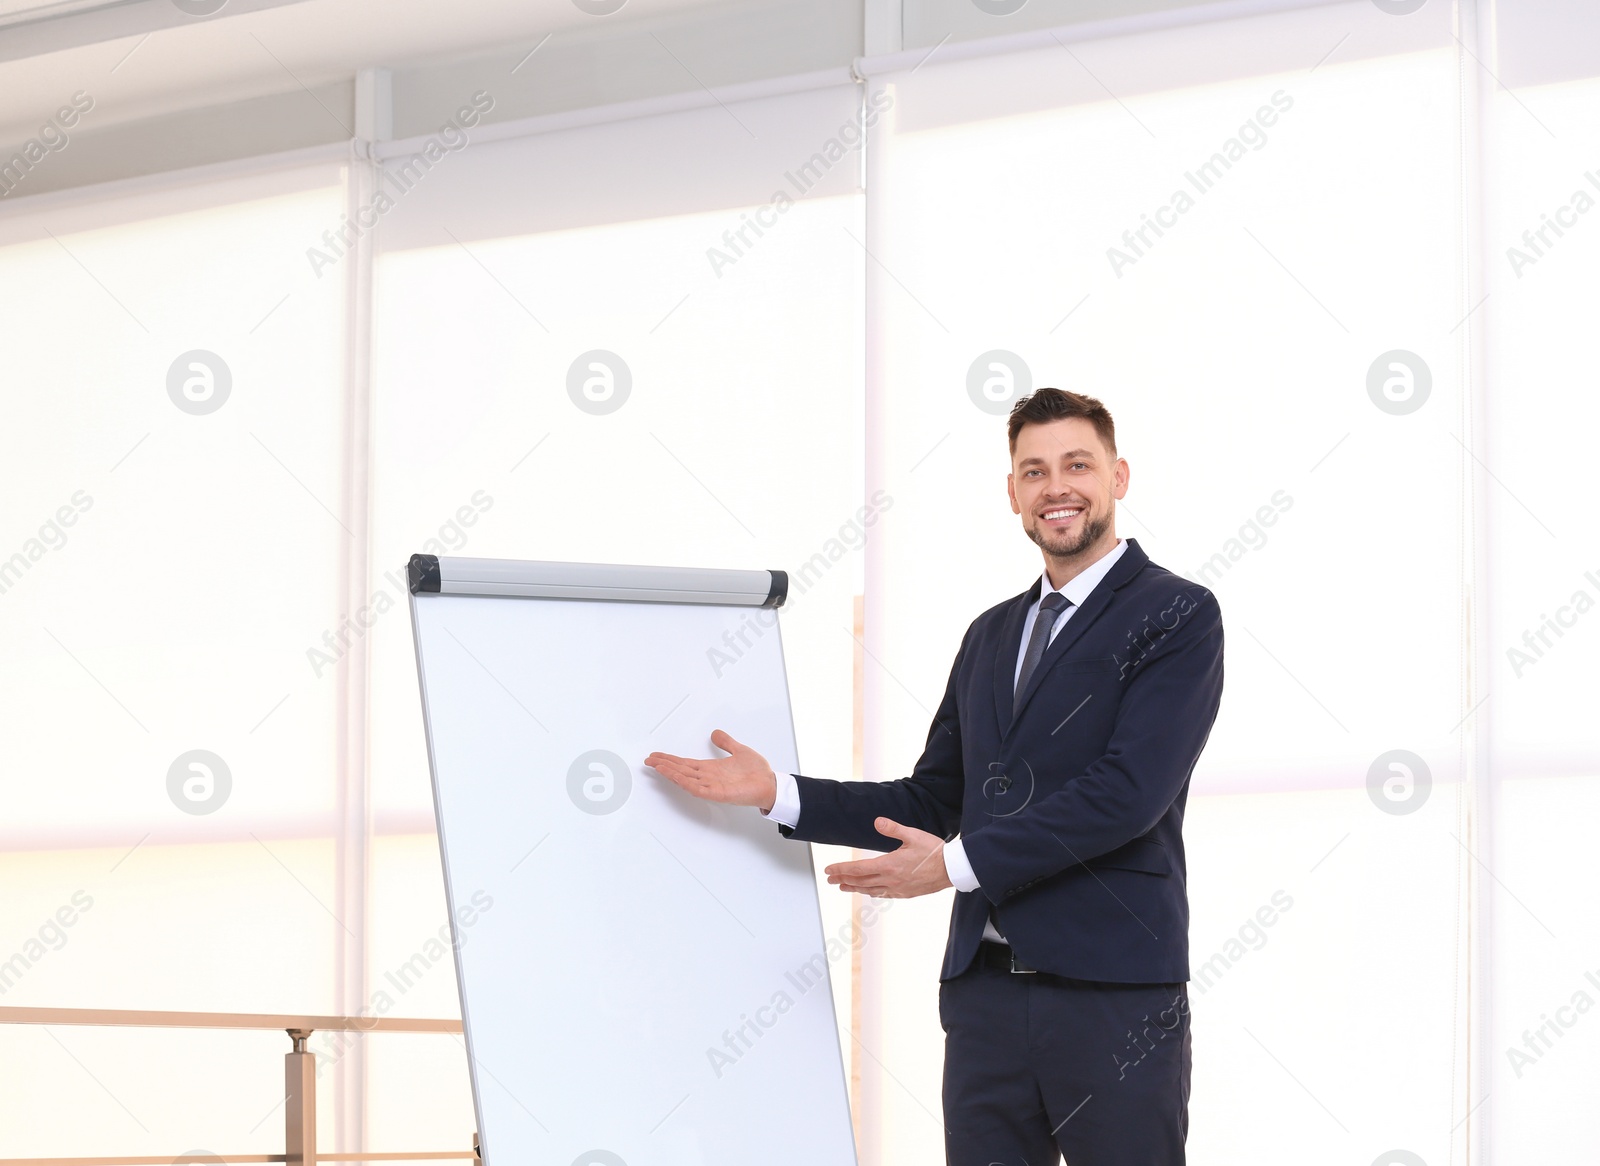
[(1398, 782), (995, 379), (599, 381), (1399, 382), (199, 782), (199, 381), (599, 782)]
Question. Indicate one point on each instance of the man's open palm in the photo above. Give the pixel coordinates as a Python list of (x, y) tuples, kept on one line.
[(743, 778), (915, 867)]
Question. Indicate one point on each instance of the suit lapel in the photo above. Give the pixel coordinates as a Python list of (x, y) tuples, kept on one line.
[(1005, 656), (1132, 560)]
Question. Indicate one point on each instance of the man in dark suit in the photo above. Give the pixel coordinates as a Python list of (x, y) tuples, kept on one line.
[(1051, 795)]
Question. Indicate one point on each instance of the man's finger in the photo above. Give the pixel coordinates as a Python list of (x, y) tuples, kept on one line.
[(681, 765), (671, 773), (865, 876), (877, 892)]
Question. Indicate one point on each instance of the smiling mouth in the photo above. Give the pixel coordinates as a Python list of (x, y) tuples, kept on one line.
[(1061, 515)]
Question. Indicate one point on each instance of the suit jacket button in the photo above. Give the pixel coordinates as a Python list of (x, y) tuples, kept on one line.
[(1003, 784)]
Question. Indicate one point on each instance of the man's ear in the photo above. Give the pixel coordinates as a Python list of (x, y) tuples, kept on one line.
[(1120, 478), (1011, 492)]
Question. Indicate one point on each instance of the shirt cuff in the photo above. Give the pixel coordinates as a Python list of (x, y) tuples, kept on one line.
[(957, 867), (786, 807)]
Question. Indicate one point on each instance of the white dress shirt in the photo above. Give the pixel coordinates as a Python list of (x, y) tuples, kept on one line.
[(786, 806)]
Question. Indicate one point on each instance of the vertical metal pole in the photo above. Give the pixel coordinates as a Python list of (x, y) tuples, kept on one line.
[(872, 1085), (1476, 27), (300, 1101), (858, 772), (353, 808)]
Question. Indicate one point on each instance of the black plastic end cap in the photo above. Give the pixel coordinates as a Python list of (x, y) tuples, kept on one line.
[(779, 591), (422, 572)]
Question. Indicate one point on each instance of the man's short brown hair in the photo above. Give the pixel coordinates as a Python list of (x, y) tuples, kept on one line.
[(1043, 405)]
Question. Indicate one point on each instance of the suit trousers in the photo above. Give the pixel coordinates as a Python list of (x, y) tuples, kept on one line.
[(1038, 1067)]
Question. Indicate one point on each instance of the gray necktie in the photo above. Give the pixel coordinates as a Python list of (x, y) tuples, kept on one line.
[(1050, 609)]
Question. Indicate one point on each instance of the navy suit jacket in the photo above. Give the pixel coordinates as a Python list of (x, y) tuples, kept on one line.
[(1070, 805)]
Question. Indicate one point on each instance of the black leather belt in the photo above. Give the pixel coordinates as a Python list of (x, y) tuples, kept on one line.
[(1002, 957)]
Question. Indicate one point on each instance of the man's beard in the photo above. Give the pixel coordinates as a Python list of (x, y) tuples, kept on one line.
[(1068, 545)]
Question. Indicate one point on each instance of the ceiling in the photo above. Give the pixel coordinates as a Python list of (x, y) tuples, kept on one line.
[(178, 83), (16, 11), (142, 58)]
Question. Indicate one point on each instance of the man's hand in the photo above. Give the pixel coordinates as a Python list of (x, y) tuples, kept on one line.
[(743, 778), (917, 868)]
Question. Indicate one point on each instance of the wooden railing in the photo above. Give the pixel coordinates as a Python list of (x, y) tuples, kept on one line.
[(299, 1071)]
